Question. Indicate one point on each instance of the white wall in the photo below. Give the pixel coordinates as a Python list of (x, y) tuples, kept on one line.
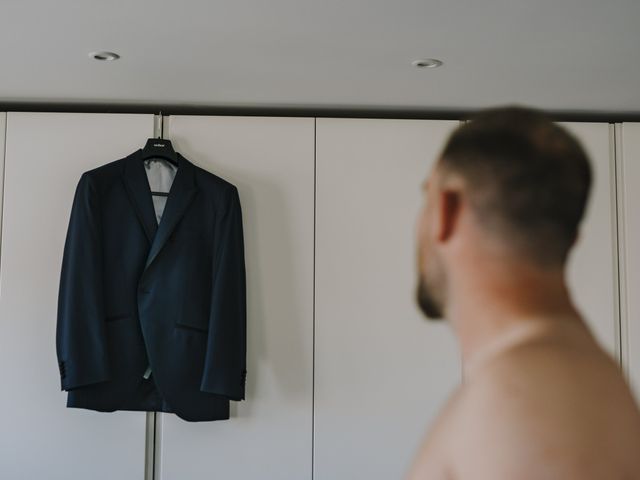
[(270, 160), (39, 436), (628, 148), (592, 268), (382, 371), (344, 375)]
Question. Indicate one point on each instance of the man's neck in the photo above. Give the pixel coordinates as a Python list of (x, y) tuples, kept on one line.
[(492, 311)]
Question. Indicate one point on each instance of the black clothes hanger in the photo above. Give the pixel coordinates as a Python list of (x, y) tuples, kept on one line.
[(160, 147)]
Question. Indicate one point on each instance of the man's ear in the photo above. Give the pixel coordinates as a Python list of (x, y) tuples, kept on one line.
[(448, 214)]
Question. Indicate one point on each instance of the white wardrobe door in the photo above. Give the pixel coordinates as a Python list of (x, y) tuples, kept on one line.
[(592, 269), (270, 160), (629, 164), (39, 436), (382, 371), (3, 128)]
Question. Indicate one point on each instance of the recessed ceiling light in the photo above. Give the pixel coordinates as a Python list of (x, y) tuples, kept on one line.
[(104, 55), (427, 62)]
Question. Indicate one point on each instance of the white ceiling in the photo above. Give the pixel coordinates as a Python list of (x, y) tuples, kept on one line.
[(562, 55)]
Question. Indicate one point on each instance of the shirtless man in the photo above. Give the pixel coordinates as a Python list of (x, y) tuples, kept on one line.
[(540, 399)]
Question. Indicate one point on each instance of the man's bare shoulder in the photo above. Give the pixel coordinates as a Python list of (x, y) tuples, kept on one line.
[(431, 459), (553, 407)]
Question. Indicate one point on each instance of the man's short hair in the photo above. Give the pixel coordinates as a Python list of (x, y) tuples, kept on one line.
[(528, 178)]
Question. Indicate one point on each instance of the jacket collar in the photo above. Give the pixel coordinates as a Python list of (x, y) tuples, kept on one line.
[(183, 189)]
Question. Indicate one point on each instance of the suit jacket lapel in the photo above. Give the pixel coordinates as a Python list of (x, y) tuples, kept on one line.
[(182, 191), (137, 186)]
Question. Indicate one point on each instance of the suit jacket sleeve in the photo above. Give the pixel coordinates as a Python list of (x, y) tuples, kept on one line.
[(80, 329), (225, 363)]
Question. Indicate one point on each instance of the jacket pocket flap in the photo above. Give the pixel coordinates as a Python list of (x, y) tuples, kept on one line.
[(192, 323)]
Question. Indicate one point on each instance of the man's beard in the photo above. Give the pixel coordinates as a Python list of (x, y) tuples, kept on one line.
[(427, 301), (429, 291)]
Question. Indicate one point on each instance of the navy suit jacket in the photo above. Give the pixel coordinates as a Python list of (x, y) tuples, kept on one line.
[(134, 293)]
